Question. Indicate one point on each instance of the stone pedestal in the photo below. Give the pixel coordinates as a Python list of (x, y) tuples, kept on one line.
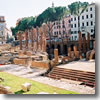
[(56, 55), (26, 87)]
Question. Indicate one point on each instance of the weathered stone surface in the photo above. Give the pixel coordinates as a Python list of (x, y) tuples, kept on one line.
[(20, 53), (40, 64), (4, 90), (92, 54), (19, 61), (88, 55), (29, 53), (26, 87)]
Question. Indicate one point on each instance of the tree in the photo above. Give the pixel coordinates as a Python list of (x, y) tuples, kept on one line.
[(77, 8)]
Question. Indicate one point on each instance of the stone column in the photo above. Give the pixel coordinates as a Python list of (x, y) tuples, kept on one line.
[(80, 43), (88, 41), (41, 38), (44, 39), (69, 52), (32, 42), (26, 36), (93, 44), (20, 41), (56, 55), (75, 51), (37, 43), (84, 45)]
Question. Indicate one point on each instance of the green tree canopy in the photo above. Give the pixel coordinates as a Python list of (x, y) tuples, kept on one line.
[(75, 6), (50, 14)]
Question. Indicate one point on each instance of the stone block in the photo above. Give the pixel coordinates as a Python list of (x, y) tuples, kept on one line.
[(29, 53), (19, 61), (45, 57), (20, 53), (26, 87), (40, 64)]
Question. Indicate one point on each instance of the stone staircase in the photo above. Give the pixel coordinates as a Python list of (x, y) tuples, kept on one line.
[(87, 78)]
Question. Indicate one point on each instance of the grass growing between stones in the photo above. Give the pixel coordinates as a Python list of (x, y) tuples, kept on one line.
[(15, 83)]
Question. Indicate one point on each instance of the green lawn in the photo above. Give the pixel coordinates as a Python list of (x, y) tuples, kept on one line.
[(15, 83)]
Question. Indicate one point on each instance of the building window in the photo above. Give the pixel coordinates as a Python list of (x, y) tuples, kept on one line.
[(87, 16), (59, 32), (75, 37), (2, 33), (71, 32), (72, 37), (78, 18), (1, 19), (82, 17), (56, 23), (59, 26), (74, 25), (75, 32), (91, 9), (91, 23), (63, 26), (63, 32), (91, 15), (71, 19), (87, 24), (91, 30), (82, 24), (71, 25), (54, 33), (74, 18)]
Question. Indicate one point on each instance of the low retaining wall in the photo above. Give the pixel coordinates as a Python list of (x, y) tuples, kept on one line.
[(36, 64), (19, 61), (40, 64)]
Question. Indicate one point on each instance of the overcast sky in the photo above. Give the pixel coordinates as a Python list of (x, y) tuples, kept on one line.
[(14, 9)]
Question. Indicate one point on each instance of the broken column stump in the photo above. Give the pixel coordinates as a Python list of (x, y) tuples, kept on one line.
[(26, 87), (92, 54), (56, 55)]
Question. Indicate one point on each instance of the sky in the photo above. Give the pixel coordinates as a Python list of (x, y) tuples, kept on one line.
[(15, 9)]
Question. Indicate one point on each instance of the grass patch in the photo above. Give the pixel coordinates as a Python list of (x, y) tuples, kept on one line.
[(15, 83)]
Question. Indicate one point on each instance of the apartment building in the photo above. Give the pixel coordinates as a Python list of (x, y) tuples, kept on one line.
[(87, 23), (5, 33), (62, 28)]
